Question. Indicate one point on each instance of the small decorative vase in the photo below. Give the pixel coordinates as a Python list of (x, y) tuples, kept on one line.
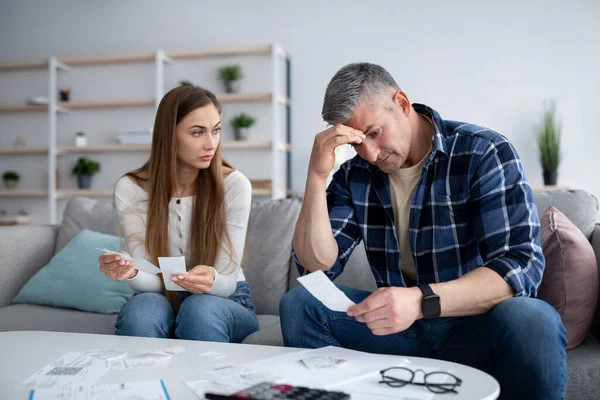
[(11, 184), (84, 181), (232, 87), (241, 133), (550, 178), (64, 94), (80, 139)]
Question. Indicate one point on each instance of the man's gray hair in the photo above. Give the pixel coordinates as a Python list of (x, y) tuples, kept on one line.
[(352, 85)]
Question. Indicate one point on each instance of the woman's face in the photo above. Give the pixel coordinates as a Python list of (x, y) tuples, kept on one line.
[(198, 135)]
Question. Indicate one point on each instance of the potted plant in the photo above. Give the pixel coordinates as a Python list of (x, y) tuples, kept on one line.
[(240, 124), (11, 179), (185, 82), (230, 75), (84, 170), (549, 144)]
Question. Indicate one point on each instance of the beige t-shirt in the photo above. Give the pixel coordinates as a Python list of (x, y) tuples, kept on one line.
[(402, 186)]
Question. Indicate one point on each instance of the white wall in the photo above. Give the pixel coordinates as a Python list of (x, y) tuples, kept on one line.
[(488, 63)]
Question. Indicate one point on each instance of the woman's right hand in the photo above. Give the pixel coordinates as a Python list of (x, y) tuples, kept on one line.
[(114, 267)]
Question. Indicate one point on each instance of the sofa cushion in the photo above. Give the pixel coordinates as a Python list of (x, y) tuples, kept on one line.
[(31, 317), (72, 279), (570, 282), (357, 272), (84, 213), (583, 363), (579, 206), (269, 332), (270, 232), (24, 250)]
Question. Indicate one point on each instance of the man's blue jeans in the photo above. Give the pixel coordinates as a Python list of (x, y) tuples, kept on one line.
[(201, 317), (521, 342)]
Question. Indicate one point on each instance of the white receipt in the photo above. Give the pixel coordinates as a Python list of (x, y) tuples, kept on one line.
[(138, 263), (72, 368), (213, 354), (172, 266), (156, 358), (147, 390), (106, 354), (319, 285)]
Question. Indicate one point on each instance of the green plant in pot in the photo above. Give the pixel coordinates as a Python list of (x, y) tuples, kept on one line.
[(241, 123), (231, 75), (549, 137), (185, 82), (84, 169), (11, 179)]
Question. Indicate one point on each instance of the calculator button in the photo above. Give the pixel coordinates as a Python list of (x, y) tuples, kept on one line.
[(282, 388)]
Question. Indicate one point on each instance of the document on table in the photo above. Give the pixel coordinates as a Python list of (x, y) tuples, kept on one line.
[(138, 263), (155, 358), (229, 378), (320, 286), (73, 368), (106, 354), (172, 266), (147, 390), (348, 365), (370, 386)]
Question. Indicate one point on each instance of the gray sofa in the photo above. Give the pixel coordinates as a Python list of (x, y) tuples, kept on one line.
[(270, 272)]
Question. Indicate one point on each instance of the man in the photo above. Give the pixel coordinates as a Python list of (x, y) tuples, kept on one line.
[(451, 233)]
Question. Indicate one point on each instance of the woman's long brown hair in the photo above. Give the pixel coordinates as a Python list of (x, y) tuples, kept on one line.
[(208, 218)]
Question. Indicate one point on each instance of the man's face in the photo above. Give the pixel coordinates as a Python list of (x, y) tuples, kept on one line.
[(388, 133)]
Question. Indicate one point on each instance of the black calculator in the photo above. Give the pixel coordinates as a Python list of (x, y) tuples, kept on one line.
[(273, 391)]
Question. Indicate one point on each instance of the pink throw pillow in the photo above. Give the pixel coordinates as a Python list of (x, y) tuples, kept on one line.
[(570, 282)]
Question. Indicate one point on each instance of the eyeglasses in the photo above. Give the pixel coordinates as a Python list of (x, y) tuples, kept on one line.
[(439, 382)]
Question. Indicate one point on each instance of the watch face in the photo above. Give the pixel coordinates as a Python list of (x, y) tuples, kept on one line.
[(431, 307)]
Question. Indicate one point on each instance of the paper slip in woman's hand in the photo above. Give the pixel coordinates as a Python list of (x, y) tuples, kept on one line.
[(172, 266), (138, 263)]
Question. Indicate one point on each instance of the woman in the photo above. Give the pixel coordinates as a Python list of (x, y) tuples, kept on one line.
[(185, 201)]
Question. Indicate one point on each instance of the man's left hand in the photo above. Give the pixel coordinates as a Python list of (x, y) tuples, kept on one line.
[(389, 310), (197, 280)]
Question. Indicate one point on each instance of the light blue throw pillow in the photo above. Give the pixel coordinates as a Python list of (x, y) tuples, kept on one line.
[(72, 279)]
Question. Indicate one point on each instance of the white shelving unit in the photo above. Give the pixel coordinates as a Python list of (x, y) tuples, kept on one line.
[(278, 99)]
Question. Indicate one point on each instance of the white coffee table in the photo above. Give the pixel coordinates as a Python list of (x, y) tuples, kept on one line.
[(24, 352)]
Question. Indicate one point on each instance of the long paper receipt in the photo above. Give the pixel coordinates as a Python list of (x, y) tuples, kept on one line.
[(319, 285), (138, 263)]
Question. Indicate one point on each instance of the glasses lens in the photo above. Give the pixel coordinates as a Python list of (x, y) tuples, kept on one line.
[(397, 376), (441, 382)]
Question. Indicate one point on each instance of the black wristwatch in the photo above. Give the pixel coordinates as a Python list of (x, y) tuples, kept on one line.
[(431, 302)]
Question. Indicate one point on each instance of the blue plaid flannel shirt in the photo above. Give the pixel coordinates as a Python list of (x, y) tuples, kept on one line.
[(472, 207)]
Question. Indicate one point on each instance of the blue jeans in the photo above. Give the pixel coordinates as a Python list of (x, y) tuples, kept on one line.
[(521, 342), (200, 317)]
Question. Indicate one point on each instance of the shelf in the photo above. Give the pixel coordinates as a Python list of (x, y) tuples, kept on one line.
[(6, 108), (103, 149), (122, 59), (245, 144), (261, 192), (23, 151), (83, 105), (23, 65), (68, 193), (225, 145), (23, 193), (146, 57), (244, 97), (149, 102), (261, 50)]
